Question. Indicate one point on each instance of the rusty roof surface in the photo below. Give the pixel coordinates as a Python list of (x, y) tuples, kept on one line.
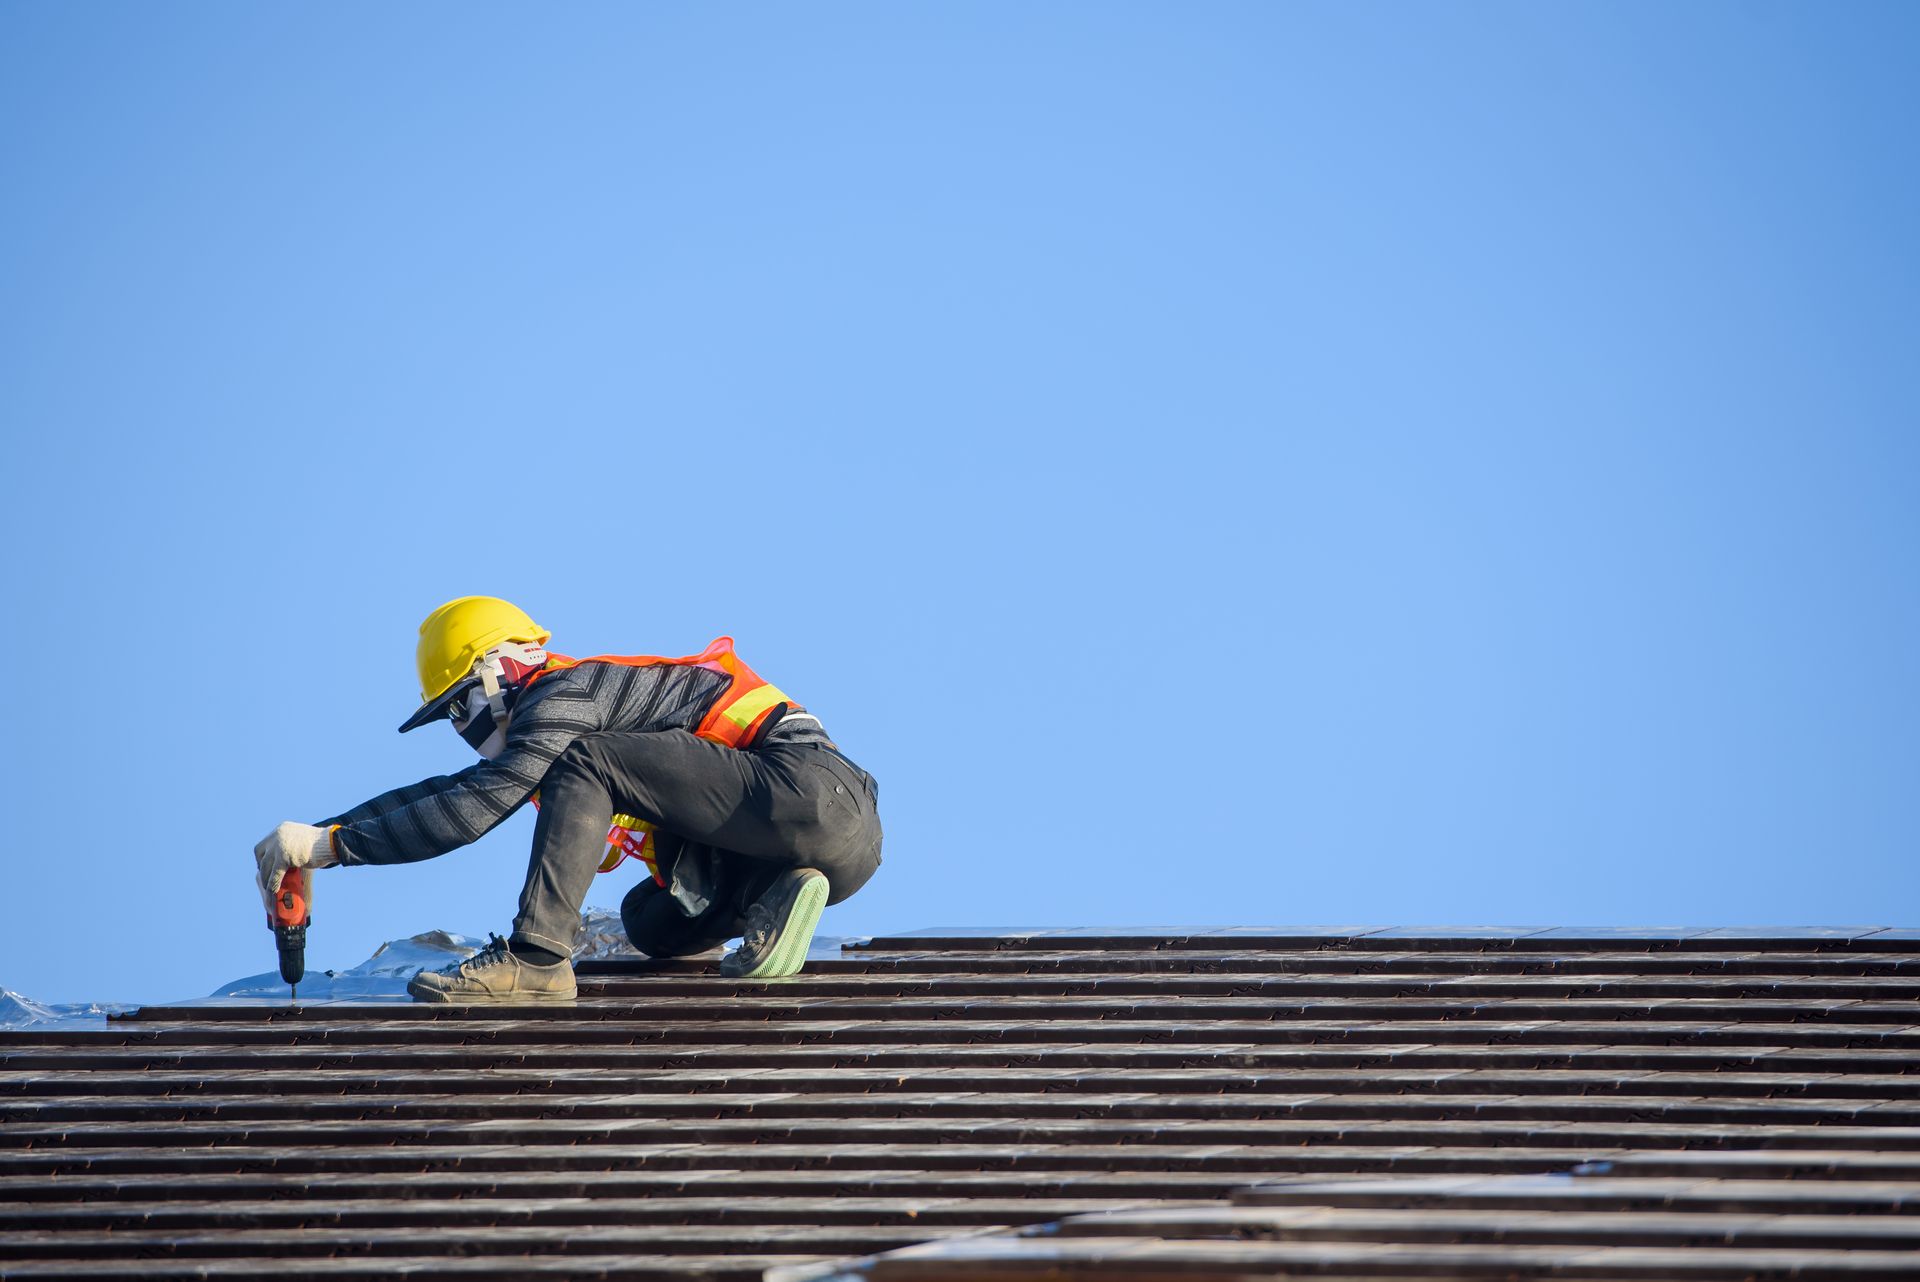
[(1140, 1104)]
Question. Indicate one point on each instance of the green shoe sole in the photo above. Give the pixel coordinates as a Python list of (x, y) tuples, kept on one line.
[(796, 936)]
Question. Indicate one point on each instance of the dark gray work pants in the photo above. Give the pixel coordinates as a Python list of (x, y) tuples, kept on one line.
[(730, 821)]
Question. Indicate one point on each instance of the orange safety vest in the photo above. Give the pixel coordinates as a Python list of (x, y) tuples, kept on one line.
[(735, 717), (734, 721)]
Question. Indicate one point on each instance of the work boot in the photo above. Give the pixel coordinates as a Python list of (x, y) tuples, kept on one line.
[(494, 974), (779, 927)]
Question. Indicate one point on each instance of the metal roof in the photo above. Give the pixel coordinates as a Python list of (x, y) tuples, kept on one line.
[(1166, 1103)]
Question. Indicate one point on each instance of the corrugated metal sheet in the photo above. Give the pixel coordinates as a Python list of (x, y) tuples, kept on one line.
[(1758, 1095)]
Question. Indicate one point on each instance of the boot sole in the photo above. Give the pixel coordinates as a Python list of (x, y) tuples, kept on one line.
[(485, 999), (796, 935)]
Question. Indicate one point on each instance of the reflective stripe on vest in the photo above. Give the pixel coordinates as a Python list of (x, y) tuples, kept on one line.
[(629, 837)]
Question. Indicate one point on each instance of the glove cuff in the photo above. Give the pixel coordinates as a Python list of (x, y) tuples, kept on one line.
[(324, 853)]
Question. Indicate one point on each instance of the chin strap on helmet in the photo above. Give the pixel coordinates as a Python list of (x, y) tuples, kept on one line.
[(507, 664)]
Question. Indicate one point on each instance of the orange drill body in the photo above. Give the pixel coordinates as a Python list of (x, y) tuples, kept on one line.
[(289, 918)]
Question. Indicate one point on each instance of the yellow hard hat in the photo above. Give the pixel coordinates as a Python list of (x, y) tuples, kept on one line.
[(454, 637)]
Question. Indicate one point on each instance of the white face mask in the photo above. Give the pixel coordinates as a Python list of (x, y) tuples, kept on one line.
[(495, 743), (476, 708)]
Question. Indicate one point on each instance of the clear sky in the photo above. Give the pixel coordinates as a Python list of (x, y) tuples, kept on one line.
[(1225, 463)]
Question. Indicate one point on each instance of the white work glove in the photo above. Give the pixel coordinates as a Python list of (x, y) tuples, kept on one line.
[(287, 847)]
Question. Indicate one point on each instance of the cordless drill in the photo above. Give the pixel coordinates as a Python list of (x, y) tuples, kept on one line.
[(292, 911)]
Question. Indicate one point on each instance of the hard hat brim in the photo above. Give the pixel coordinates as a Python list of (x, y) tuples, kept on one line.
[(436, 708)]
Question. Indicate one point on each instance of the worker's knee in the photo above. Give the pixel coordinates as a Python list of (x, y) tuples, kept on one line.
[(656, 927)]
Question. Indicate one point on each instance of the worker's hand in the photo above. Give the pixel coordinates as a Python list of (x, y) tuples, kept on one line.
[(287, 847)]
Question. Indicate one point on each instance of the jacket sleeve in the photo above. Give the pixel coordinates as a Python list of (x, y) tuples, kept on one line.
[(437, 815), (388, 802)]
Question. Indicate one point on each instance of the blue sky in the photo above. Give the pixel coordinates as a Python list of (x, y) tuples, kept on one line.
[(1255, 463)]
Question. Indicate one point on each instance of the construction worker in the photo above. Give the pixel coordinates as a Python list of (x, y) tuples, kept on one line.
[(746, 814)]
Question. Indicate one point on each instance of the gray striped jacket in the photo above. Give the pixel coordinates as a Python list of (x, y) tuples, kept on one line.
[(440, 814)]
